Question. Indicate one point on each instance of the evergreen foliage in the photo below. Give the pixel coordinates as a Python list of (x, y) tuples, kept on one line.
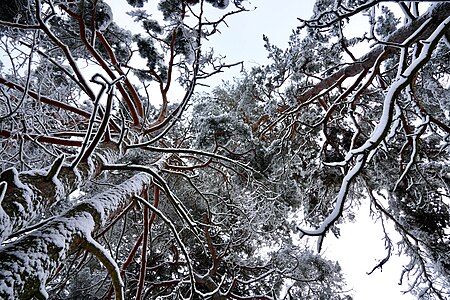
[(110, 187)]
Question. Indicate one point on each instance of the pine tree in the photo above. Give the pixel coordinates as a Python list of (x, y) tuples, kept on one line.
[(111, 187)]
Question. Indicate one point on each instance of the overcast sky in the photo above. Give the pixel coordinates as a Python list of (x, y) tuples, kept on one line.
[(360, 246), (243, 39)]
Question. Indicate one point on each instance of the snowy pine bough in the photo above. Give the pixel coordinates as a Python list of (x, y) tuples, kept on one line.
[(122, 176)]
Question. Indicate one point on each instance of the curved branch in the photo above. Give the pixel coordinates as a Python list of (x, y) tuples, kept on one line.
[(380, 130), (340, 201), (64, 48), (130, 104), (437, 13), (42, 251), (44, 99), (177, 237), (105, 258)]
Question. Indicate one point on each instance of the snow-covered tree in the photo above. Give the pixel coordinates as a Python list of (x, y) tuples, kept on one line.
[(112, 187), (106, 189), (340, 129)]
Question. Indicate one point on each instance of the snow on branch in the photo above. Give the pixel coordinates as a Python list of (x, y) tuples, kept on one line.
[(434, 17), (30, 193), (340, 201), (41, 251), (381, 129)]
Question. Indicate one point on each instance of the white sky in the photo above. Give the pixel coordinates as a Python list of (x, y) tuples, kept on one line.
[(360, 246), (358, 251), (243, 39)]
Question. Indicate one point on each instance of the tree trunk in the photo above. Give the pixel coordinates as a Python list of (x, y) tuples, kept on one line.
[(30, 261)]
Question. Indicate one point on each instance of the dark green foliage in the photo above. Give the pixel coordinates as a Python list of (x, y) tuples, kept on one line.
[(152, 26), (170, 8), (219, 3), (236, 173), (386, 23), (16, 11), (148, 51), (137, 3)]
